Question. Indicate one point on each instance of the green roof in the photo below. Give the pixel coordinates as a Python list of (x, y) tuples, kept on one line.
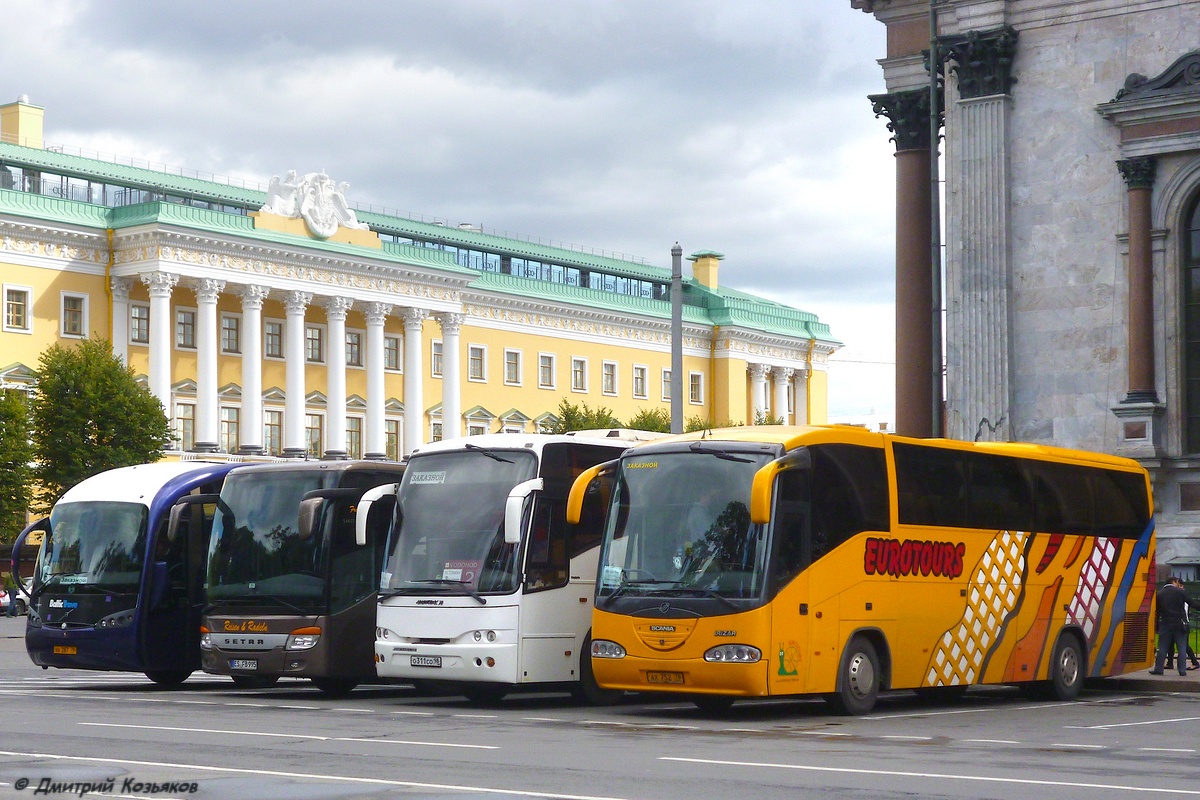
[(721, 306)]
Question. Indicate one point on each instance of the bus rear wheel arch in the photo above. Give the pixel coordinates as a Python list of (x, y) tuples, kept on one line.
[(1068, 667)]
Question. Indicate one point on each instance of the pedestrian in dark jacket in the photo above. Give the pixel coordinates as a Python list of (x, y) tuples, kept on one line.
[(1172, 624)]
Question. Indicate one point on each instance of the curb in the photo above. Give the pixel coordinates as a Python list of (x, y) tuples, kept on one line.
[(1145, 682)]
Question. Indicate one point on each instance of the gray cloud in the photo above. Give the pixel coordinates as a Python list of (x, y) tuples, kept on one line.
[(623, 125)]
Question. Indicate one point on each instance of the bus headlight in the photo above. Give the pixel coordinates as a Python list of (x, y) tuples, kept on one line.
[(735, 653), (205, 639), (303, 639), (602, 648)]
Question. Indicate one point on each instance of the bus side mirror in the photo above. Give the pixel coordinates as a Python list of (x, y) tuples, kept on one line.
[(364, 509), (310, 509), (514, 509), (176, 518), (764, 483), (580, 487)]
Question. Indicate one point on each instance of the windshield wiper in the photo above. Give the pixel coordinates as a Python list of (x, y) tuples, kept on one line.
[(696, 447), (252, 599), (624, 587), (466, 589), (696, 590), (486, 452)]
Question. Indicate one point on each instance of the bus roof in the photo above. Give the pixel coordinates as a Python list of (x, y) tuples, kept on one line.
[(536, 441), (140, 483), (340, 465), (790, 437)]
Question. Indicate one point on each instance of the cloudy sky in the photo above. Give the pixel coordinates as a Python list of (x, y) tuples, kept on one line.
[(620, 125)]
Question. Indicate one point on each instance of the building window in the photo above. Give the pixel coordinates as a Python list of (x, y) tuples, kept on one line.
[(391, 437), (273, 432), (545, 371), (185, 426), (578, 374), (230, 419), (477, 363), (185, 328), (391, 353), (666, 385), (1191, 327), (608, 377), (314, 344), (476, 428), (354, 349), (273, 339), (435, 431), (435, 358), (639, 382), (695, 388), (139, 324), (512, 367), (314, 434), (231, 333), (18, 302), (354, 437), (74, 314)]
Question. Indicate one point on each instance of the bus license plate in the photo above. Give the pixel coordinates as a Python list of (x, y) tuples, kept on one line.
[(65, 650), (243, 663), (425, 661), (664, 677)]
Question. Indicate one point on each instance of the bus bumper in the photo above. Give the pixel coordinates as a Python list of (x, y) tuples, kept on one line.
[(682, 675), (76, 648), (445, 644)]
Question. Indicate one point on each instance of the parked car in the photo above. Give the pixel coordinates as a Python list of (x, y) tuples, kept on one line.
[(21, 605)]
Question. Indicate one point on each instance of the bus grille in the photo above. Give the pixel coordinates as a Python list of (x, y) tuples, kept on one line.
[(1137, 637)]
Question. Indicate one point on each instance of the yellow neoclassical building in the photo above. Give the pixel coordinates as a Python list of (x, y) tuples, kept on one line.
[(283, 321)]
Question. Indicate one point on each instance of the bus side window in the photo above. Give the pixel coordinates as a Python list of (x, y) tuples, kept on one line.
[(355, 570), (546, 563), (793, 527)]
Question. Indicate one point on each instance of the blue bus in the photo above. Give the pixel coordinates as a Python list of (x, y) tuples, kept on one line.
[(111, 590)]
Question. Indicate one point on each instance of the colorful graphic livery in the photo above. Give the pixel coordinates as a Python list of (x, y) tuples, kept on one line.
[(830, 560)]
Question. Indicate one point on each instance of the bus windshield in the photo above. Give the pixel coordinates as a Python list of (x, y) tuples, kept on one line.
[(94, 544), (256, 549), (680, 526), (449, 530)]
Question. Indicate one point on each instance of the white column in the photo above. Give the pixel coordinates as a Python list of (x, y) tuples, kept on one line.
[(335, 381), (159, 285), (802, 396), (376, 443), (120, 317), (250, 432), (207, 407), (451, 376), (758, 390), (293, 410), (781, 376), (414, 403)]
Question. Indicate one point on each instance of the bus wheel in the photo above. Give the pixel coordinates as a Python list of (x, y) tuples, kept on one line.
[(858, 682), (167, 678), (713, 703), (1068, 668), (484, 694), (587, 690), (254, 681), (335, 687)]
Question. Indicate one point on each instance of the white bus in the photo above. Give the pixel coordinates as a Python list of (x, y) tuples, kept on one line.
[(484, 584)]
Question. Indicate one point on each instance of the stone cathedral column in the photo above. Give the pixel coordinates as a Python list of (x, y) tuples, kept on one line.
[(120, 317), (335, 380), (376, 445), (1139, 178), (451, 376), (414, 403), (908, 120), (758, 389), (781, 377), (979, 269)]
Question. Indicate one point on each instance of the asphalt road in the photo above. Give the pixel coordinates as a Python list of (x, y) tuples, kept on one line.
[(67, 728)]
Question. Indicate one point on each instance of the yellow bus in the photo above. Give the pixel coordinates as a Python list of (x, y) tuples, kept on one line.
[(767, 561)]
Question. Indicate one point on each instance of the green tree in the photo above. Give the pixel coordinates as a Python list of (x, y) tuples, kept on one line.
[(693, 424), (651, 419), (761, 418), (573, 417), (90, 415), (16, 457)]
